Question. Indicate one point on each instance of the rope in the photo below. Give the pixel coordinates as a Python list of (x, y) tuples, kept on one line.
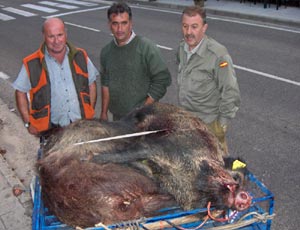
[(102, 225), (257, 217), (217, 219), (195, 228), (260, 217)]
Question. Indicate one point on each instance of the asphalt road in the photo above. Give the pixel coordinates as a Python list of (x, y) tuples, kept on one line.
[(266, 131)]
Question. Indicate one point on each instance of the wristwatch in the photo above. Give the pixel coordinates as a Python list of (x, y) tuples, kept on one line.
[(27, 124)]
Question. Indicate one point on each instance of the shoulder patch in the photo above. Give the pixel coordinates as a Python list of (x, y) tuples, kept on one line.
[(223, 64)]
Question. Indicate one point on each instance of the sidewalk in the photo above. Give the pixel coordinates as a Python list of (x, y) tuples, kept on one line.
[(288, 16), (15, 212), (17, 163)]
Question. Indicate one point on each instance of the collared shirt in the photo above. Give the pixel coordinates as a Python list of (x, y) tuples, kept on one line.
[(64, 101), (132, 36), (191, 52)]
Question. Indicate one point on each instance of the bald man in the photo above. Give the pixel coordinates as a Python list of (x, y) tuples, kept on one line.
[(56, 84)]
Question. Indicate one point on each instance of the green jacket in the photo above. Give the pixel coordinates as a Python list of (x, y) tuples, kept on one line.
[(132, 72), (207, 82)]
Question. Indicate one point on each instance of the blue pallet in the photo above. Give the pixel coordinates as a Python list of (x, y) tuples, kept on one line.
[(262, 203)]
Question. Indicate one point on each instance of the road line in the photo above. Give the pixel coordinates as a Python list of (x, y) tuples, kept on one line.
[(5, 17), (164, 47), (78, 2), (96, 30), (223, 19), (165, 11), (77, 12), (235, 66), (40, 8), (19, 12), (267, 75), (83, 27), (59, 5), (254, 24), (4, 76)]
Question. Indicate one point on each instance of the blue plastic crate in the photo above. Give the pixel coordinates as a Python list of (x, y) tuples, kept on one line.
[(262, 206)]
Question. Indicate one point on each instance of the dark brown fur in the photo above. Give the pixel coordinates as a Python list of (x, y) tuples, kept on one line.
[(84, 194), (185, 159)]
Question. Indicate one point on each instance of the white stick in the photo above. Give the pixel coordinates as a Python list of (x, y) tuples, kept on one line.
[(121, 136)]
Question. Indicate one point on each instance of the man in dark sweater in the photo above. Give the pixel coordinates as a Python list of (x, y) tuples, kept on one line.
[(133, 72)]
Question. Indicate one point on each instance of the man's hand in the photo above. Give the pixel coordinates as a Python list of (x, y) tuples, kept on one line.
[(103, 117), (149, 101), (32, 130), (224, 127)]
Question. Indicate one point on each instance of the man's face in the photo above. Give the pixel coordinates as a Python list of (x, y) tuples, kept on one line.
[(121, 27), (55, 37), (193, 30)]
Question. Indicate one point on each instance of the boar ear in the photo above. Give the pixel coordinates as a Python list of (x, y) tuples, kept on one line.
[(143, 112), (228, 162)]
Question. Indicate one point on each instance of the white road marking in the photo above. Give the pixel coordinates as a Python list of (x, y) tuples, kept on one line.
[(224, 19), (96, 30), (40, 8), (5, 17), (82, 3), (164, 47), (19, 12), (267, 75), (77, 12), (83, 27), (235, 66), (245, 23), (255, 24), (59, 5), (4, 76)]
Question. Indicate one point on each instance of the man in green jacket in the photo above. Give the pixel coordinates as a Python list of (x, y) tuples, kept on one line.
[(206, 77), (133, 72)]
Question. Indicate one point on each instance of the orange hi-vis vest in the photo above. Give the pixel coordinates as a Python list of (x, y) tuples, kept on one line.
[(40, 93)]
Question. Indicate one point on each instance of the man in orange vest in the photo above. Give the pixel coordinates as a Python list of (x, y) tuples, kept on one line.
[(56, 84)]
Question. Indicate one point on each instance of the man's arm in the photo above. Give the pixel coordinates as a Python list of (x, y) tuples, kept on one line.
[(23, 105), (229, 89), (105, 102), (93, 94), (160, 76)]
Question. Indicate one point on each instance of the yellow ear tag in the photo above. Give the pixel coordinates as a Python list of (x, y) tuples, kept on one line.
[(238, 164)]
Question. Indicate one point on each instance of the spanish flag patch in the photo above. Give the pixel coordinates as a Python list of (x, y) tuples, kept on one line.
[(223, 64)]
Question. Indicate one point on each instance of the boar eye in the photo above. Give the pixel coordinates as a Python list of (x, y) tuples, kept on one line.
[(237, 177)]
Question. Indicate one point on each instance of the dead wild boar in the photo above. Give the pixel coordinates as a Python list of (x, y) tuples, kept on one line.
[(183, 158)]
